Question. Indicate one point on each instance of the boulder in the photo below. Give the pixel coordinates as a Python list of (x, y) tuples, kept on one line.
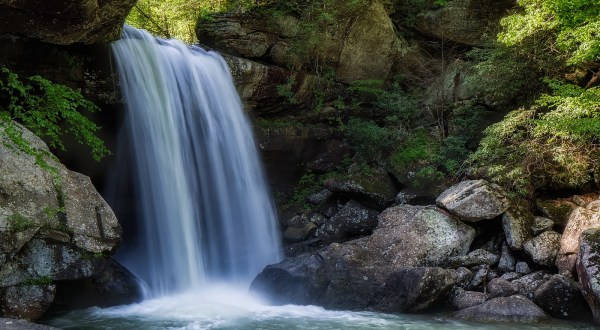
[(514, 309), (511, 276), (580, 220), (352, 275), (65, 22), (588, 270), (479, 280), (376, 190), (474, 200), (501, 288), (12, 324), (529, 283), (561, 297), (522, 268), (507, 261), (352, 220), (464, 276), (27, 302), (541, 224), (461, 299), (320, 197), (300, 228), (476, 257), (543, 248), (54, 227), (415, 289), (517, 222)]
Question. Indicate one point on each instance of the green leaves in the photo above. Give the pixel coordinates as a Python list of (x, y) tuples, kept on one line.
[(44, 108)]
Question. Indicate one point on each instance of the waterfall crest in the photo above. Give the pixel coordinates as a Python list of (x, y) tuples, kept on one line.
[(201, 198)]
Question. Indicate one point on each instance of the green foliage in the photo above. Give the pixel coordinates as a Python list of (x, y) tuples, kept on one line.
[(286, 90), (44, 280), (368, 139), (42, 107), (18, 223)]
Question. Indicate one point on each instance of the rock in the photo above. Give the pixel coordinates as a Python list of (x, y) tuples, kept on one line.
[(462, 21), (464, 276), (541, 224), (352, 220), (504, 309), (588, 270), (522, 268), (580, 220), (300, 228), (415, 289), (594, 206), (561, 297), (27, 302), (528, 284), (542, 249), (320, 197), (404, 197), (584, 200), (557, 210), (510, 276), (479, 279), (376, 190), (351, 275), (517, 222), (501, 288), (65, 23), (113, 285), (507, 261), (12, 324), (474, 200), (55, 232), (461, 299), (477, 257)]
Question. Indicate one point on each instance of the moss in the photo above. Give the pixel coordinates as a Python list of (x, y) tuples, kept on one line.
[(44, 280), (18, 223)]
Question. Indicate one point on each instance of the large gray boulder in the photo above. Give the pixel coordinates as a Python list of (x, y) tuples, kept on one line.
[(27, 302), (352, 275), (459, 298), (561, 297), (588, 270), (474, 200), (65, 22), (54, 225), (12, 324), (504, 309), (581, 219), (517, 222), (352, 220), (543, 248)]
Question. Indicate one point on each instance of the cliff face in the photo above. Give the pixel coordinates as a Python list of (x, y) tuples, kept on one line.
[(64, 22)]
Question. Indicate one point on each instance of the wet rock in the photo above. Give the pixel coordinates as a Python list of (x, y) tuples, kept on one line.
[(507, 261), (477, 257), (528, 284), (580, 220), (517, 222), (60, 22), (522, 268), (504, 309), (501, 288), (415, 289), (561, 297), (474, 200), (27, 302), (352, 220), (541, 224), (461, 299), (588, 270), (543, 249), (557, 210)]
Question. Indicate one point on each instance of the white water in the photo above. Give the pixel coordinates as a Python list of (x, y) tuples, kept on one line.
[(203, 205)]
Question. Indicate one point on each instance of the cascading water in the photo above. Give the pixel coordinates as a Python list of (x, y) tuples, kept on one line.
[(203, 203)]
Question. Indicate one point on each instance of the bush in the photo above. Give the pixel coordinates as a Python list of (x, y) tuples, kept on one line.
[(368, 139)]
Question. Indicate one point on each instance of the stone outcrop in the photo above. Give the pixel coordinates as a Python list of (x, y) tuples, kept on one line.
[(53, 223), (561, 297), (376, 191), (543, 248), (474, 200), (65, 22), (352, 220), (588, 269)]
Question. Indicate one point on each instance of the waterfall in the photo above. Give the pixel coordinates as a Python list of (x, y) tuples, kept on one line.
[(202, 204)]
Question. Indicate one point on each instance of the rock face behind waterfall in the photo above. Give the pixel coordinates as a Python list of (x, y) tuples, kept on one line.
[(53, 228)]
